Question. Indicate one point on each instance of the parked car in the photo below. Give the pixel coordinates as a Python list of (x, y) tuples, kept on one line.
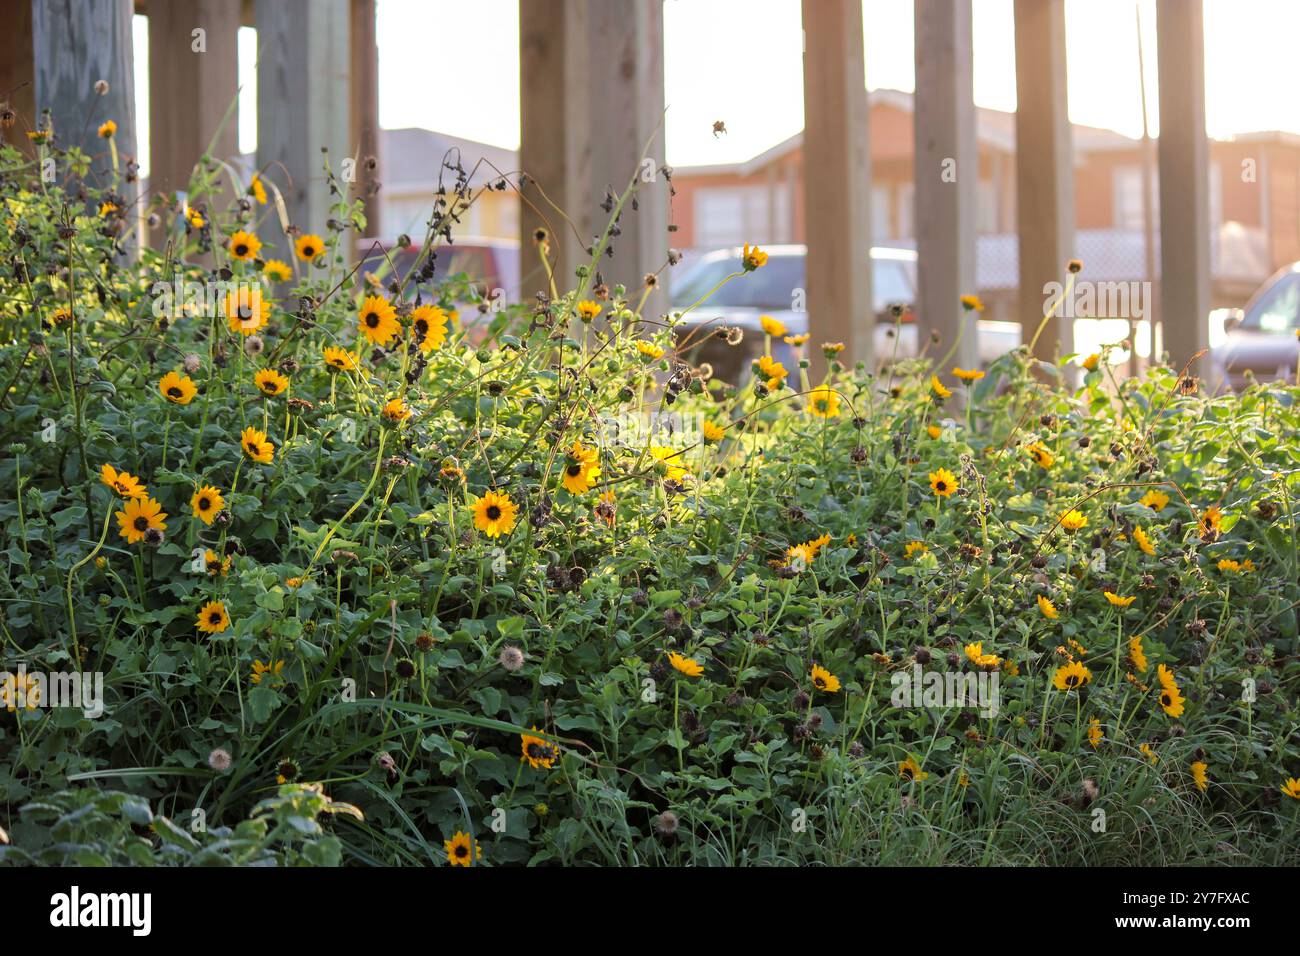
[(491, 264), (1261, 338), (777, 290)]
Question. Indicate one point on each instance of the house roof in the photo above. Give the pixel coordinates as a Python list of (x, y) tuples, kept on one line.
[(993, 128), (413, 158)]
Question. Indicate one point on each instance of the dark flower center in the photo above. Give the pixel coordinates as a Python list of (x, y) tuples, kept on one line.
[(204, 504), (309, 251), (941, 486), (372, 320), (493, 512), (1071, 681), (1165, 699), (214, 617), (175, 391), (141, 523), (241, 250), (462, 850), (574, 471), (244, 312)]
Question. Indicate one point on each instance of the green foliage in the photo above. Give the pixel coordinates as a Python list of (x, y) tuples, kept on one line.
[(377, 640)]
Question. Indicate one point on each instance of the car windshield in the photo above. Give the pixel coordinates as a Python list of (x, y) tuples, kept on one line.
[(1277, 308), (771, 287), (774, 286)]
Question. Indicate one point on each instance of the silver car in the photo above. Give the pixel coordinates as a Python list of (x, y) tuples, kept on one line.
[(1260, 340), (778, 290)]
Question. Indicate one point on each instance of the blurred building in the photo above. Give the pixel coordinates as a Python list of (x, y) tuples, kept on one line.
[(1254, 202), (414, 166)]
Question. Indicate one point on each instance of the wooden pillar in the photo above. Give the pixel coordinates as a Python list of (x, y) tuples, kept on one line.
[(303, 58), (1184, 180), (837, 181), (53, 53), (364, 137), (552, 103), (193, 85), (946, 172), (591, 117), (1044, 171), (18, 77)]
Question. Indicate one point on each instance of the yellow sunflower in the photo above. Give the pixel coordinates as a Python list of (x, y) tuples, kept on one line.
[(128, 486), (1095, 733), (245, 310), (912, 547), (213, 618), (670, 458), (1291, 788), (270, 382), (1154, 499), (823, 402), (137, 516), (462, 849), (771, 326), (272, 670), (339, 359), (257, 190), (588, 310), (824, 680), (972, 303), (1137, 655), (1042, 457), (1211, 521), (244, 246), (943, 482), (107, 129), (308, 247), (494, 514), (581, 469), (712, 433), (256, 446), (1073, 520), (178, 389), (939, 389), (909, 769), (537, 751), (207, 503), (378, 320), (277, 270), (685, 665), (752, 258), (396, 410), (968, 374), (1119, 600), (1143, 541), (1199, 775), (429, 327), (1072, 676), (1047, 608), (773, 371), (649, 350)]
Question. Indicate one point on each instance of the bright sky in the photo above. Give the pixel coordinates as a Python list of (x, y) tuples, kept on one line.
[(740, 61)]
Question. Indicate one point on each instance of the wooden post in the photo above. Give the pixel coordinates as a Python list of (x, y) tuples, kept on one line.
[(193, 84), (18, 77), (947, 180), (551, 104), (364, 138), (1184, 180), (837, 181), (1044, 171), (53, 53), (303, 101), (591, 105)]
